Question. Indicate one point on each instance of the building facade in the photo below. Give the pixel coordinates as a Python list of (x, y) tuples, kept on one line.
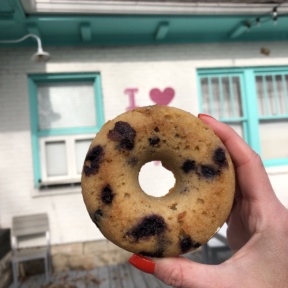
[(36, 173)]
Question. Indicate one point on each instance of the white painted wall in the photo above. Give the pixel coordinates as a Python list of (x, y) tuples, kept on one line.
[(121, 68)]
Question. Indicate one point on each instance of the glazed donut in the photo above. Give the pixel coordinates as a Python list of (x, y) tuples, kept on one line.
[(190, 213)]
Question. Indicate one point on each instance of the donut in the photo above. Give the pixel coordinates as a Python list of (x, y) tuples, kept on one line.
[(190, 213)]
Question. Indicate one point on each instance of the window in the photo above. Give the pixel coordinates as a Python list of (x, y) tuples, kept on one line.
[(66, 113), (254, 101)]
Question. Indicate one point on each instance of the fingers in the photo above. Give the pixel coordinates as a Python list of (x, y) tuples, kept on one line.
[(251, 175), (181, 272), (237, 147)]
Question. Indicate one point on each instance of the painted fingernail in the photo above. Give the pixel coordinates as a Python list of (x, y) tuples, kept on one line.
[(142, 263), (204, 115)]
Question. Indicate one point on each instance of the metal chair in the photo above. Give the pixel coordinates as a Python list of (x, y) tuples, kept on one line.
[(26, 228), (217, 244)]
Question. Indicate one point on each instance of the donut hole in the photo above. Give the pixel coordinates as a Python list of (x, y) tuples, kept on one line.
[(155, 180)]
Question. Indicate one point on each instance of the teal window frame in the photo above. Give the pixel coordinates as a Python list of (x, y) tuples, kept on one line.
[(33, 81), (251, 118)]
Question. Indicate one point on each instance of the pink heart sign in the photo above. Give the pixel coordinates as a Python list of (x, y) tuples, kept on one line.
[(162, 98)]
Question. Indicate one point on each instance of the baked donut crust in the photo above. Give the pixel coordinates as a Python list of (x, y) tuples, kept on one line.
[(190, 213)]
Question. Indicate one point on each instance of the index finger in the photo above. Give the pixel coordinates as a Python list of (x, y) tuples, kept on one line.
[(251, 174)]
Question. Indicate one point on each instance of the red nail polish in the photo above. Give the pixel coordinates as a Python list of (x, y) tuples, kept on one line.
[(142, 263), (204, 115)]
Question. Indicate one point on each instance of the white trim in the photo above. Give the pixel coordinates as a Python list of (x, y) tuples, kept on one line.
[(138, 7), (277, 170), (72, 175), (56, 191)]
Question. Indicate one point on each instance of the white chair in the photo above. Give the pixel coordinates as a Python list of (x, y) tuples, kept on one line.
[(218, 243), (27, 228)]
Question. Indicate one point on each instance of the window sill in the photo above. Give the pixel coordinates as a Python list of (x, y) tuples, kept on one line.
[(277, 170), (55, 191)]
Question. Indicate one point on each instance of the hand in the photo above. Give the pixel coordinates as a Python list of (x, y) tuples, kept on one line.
[(257, 231)]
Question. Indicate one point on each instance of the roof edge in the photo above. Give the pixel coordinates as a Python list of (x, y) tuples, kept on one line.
[(142, 7)]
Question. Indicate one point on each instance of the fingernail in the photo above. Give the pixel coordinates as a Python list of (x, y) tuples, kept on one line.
[(205, 115), (142, 263)]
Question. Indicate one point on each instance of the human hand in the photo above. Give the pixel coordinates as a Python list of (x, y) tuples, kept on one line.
[(257, 231)]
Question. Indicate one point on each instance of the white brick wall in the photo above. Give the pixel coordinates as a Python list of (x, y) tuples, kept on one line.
[(120, 67)]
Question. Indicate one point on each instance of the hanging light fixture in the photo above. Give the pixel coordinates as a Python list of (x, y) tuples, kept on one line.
[(40, 55), (275, 15)]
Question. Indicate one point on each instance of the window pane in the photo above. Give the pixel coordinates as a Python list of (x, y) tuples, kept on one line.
[(81, 150), (66, 105), (236, 103), (221, 97), (281, 93), (238, 128), (56, 161), (215, 97), (274, 139), (232, 97), (226, 96), (263, 104), (272, 95), (205, 96)]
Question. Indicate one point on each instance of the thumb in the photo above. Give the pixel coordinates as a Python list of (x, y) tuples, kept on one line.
[(184, 273), (181, 273)]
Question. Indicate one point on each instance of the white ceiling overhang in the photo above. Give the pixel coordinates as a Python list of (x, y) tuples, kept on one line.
[(152, 7)]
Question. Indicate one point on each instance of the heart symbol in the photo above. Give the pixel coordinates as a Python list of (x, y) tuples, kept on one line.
[(162, 98)]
